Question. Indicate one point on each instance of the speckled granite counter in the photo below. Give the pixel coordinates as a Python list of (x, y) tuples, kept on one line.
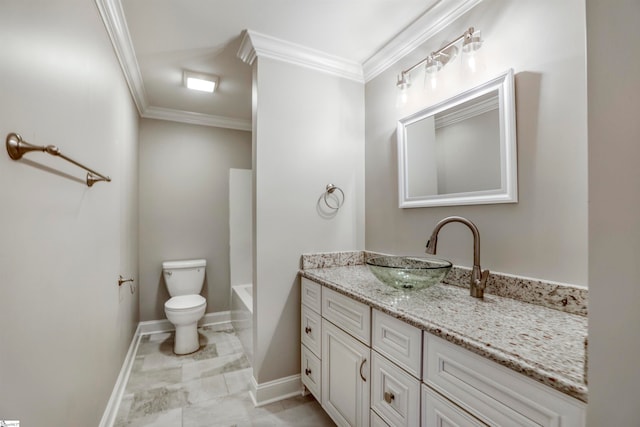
[(541, 343)]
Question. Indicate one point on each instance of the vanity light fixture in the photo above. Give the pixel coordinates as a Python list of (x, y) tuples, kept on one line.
[(471, 42), (200, 81)]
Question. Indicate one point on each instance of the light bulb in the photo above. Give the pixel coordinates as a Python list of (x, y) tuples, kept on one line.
[(402, 97), (403, 84), (434, 81), (471, 62)]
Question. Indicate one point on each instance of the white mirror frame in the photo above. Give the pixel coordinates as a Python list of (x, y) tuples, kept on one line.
[(508, 191)]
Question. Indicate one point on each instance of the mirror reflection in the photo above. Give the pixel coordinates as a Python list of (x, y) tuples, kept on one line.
[(461, 151)]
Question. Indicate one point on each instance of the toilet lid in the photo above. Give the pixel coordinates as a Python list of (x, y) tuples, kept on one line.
[(185, 302)]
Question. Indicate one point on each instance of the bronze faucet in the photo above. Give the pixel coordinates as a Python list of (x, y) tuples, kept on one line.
[(478, 277)]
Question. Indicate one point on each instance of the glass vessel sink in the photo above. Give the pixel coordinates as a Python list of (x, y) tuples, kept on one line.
[(407, 272)]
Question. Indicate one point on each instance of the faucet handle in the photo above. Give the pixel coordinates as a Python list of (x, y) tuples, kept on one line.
[(478, 283), (483, 279)]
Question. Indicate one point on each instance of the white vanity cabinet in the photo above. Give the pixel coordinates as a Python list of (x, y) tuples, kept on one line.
[(369, 368)]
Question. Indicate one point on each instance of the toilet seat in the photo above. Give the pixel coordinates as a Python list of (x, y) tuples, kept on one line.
[(185, 302)]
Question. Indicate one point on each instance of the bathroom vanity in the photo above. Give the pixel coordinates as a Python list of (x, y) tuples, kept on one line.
[(376, 355)]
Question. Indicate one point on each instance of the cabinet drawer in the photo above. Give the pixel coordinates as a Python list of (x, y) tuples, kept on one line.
[(310, 330), (376, 421), (350, 315), (395, 395), (493, 393), (311, 294), (438, 411), (398, 341), (311, 372)]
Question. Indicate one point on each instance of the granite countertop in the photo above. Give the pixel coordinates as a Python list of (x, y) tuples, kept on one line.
[(539, 342)]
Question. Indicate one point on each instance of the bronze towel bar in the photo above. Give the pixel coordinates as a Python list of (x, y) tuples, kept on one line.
[(17, 147)]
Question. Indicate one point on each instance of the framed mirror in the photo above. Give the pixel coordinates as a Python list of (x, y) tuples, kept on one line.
[(461, 151)]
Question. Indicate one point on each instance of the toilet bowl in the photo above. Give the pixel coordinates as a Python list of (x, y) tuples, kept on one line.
[(184, 312), (186, 306)]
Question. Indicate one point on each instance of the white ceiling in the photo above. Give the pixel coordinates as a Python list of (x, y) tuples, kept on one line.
[(157, 39)]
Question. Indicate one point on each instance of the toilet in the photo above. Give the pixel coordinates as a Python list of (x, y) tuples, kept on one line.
[(184, 280)]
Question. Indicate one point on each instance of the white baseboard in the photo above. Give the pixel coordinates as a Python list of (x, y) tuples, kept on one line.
[(146, 328), (111, 411), (273, 391), (215, 318), (163, 325)]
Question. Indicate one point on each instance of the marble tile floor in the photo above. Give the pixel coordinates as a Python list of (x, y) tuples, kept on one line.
[(207, 388)]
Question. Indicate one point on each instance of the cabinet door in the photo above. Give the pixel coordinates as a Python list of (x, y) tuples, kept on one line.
[(438, 411), (345, 377)]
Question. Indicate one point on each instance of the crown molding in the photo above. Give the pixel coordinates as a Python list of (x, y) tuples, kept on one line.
[(246, 52), (255, 45), (430, 23), (173, 115), (116, 25)]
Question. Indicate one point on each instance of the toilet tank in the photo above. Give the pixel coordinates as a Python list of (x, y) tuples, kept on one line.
[(184, 277)]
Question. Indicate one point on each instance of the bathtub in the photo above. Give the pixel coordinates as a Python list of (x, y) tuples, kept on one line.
[(242, 316)]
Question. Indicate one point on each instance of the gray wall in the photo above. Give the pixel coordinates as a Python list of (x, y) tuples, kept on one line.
[(614, 203), (308, 132), (545, 234), (65, 324), (184, 206)]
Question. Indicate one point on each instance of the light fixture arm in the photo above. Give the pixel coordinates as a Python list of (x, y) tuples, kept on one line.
[(433, 55)]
